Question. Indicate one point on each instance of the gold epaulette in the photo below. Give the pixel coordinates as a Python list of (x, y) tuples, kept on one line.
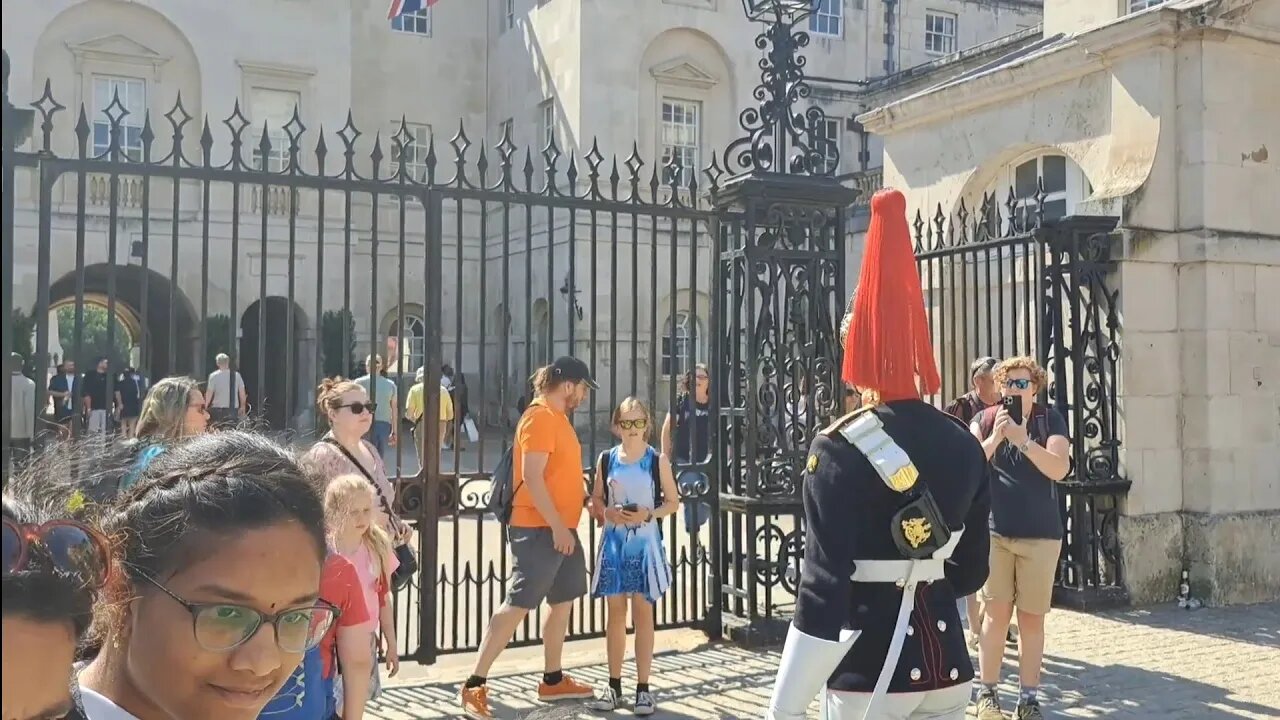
[(862, 429)]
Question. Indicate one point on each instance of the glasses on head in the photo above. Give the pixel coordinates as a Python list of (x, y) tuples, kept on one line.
[(70, 546), (1017, 383), (360, 408), (220, 627), (640, 424)]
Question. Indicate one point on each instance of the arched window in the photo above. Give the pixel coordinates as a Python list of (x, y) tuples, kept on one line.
[(1065, 186), (414, 342), (681, 343)]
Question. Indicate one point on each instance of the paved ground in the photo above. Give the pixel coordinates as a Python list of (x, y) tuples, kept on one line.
[(1164, 663)]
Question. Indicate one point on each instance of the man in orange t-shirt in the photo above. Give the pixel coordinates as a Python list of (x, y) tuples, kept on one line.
[(547, 559)]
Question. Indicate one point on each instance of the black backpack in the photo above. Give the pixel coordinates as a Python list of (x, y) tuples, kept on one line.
[(502, 494), (655, 472)]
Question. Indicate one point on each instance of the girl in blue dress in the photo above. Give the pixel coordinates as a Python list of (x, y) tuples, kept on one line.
[(633, 489)]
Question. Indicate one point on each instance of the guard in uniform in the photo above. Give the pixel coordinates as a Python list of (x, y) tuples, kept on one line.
[(896, 508)]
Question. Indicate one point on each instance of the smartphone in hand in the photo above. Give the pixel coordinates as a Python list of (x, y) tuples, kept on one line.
[(1013, 406)]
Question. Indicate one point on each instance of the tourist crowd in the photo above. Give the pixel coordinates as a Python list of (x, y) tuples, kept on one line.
[(197, 574)]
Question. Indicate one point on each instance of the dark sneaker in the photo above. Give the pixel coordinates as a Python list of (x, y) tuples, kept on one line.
[(645, 704), (606, 700), (1028, 711), (988, 708)]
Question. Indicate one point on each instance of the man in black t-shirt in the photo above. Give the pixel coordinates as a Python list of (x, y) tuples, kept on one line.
[(94, 396), (1029, 458)]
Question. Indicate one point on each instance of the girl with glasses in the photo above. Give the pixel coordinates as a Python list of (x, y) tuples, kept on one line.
[(51, 568), (634, 487), (355, 536), (220, 545), (344, 451)]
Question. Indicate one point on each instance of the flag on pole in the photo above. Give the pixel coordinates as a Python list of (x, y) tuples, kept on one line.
[(408, 7)]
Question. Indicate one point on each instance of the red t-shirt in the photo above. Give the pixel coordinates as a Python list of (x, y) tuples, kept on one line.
[(340, 587)]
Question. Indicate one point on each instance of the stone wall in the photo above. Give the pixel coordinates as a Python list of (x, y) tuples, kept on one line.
[(1200, 399)]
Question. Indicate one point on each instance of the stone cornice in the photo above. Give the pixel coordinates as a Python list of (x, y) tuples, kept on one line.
[(1089, 52)]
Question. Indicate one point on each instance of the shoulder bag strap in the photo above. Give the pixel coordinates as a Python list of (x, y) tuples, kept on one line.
[(602, 474), (368, 476)]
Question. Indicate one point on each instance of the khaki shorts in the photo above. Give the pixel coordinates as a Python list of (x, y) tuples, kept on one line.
[(1022, 571)]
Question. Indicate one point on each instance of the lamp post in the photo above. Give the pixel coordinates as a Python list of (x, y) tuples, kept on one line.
[(781, 138)]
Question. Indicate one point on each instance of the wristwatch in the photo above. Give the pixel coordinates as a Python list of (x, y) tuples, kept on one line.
[(1024, 446)]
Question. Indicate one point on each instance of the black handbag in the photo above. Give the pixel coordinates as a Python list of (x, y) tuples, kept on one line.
[(404, 553)]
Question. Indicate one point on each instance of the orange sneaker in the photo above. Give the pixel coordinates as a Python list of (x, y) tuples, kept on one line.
[(566, 689), (475, 702)]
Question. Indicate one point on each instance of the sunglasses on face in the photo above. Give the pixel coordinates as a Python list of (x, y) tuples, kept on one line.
[(359, 408), (70, 546), (640, 424), (220, 627), (1017, 384)]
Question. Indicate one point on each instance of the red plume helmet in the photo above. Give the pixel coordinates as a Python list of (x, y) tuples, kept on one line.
[(888, 346)]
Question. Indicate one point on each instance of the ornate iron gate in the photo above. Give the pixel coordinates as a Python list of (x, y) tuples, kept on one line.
[(1004, 281)]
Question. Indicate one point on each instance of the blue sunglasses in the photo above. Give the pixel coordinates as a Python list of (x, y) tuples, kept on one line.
[(1018, 384)]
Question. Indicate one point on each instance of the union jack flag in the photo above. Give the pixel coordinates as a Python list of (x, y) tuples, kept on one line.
[(408, 7)]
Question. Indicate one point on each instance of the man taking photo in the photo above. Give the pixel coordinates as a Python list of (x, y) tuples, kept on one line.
[(1029, 451)]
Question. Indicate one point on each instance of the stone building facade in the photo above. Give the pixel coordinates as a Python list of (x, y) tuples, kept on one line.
[(1163, 117), (665, 77)]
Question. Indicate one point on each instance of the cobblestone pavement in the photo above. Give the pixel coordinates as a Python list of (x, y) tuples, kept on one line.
[(1164, 663)]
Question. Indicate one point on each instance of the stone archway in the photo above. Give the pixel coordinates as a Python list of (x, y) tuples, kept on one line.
[(165, 321), (267, 372)]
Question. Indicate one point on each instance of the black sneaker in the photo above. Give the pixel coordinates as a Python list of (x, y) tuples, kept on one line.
[(1028, 711), (645, 704)]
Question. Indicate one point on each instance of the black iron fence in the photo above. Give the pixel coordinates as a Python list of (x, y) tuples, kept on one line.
[(298, 252)]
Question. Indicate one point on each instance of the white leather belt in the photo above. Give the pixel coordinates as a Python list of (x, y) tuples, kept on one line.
[(906, 574)]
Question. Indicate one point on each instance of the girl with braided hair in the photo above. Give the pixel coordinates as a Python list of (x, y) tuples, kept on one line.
[(220, 544)]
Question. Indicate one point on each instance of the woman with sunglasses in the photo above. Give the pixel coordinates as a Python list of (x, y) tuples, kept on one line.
[(220, 545), (51, 568), (344, 451)]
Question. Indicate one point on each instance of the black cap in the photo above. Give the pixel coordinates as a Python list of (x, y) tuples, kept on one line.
[(572, 369)]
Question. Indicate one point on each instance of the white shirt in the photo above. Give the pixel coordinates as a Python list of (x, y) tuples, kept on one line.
[(220, 389), (97, 707)]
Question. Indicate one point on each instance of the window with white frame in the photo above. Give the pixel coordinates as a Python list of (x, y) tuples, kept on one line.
[(1065, 187), (272, 109), (413, 344), (827, 17), (508, 14), (939, 32), (410, 149), (681, 341), (130, 114), (1139, 5), (681, 129), (1027, 176), (546, 123), (414, 23), (828, 139)]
